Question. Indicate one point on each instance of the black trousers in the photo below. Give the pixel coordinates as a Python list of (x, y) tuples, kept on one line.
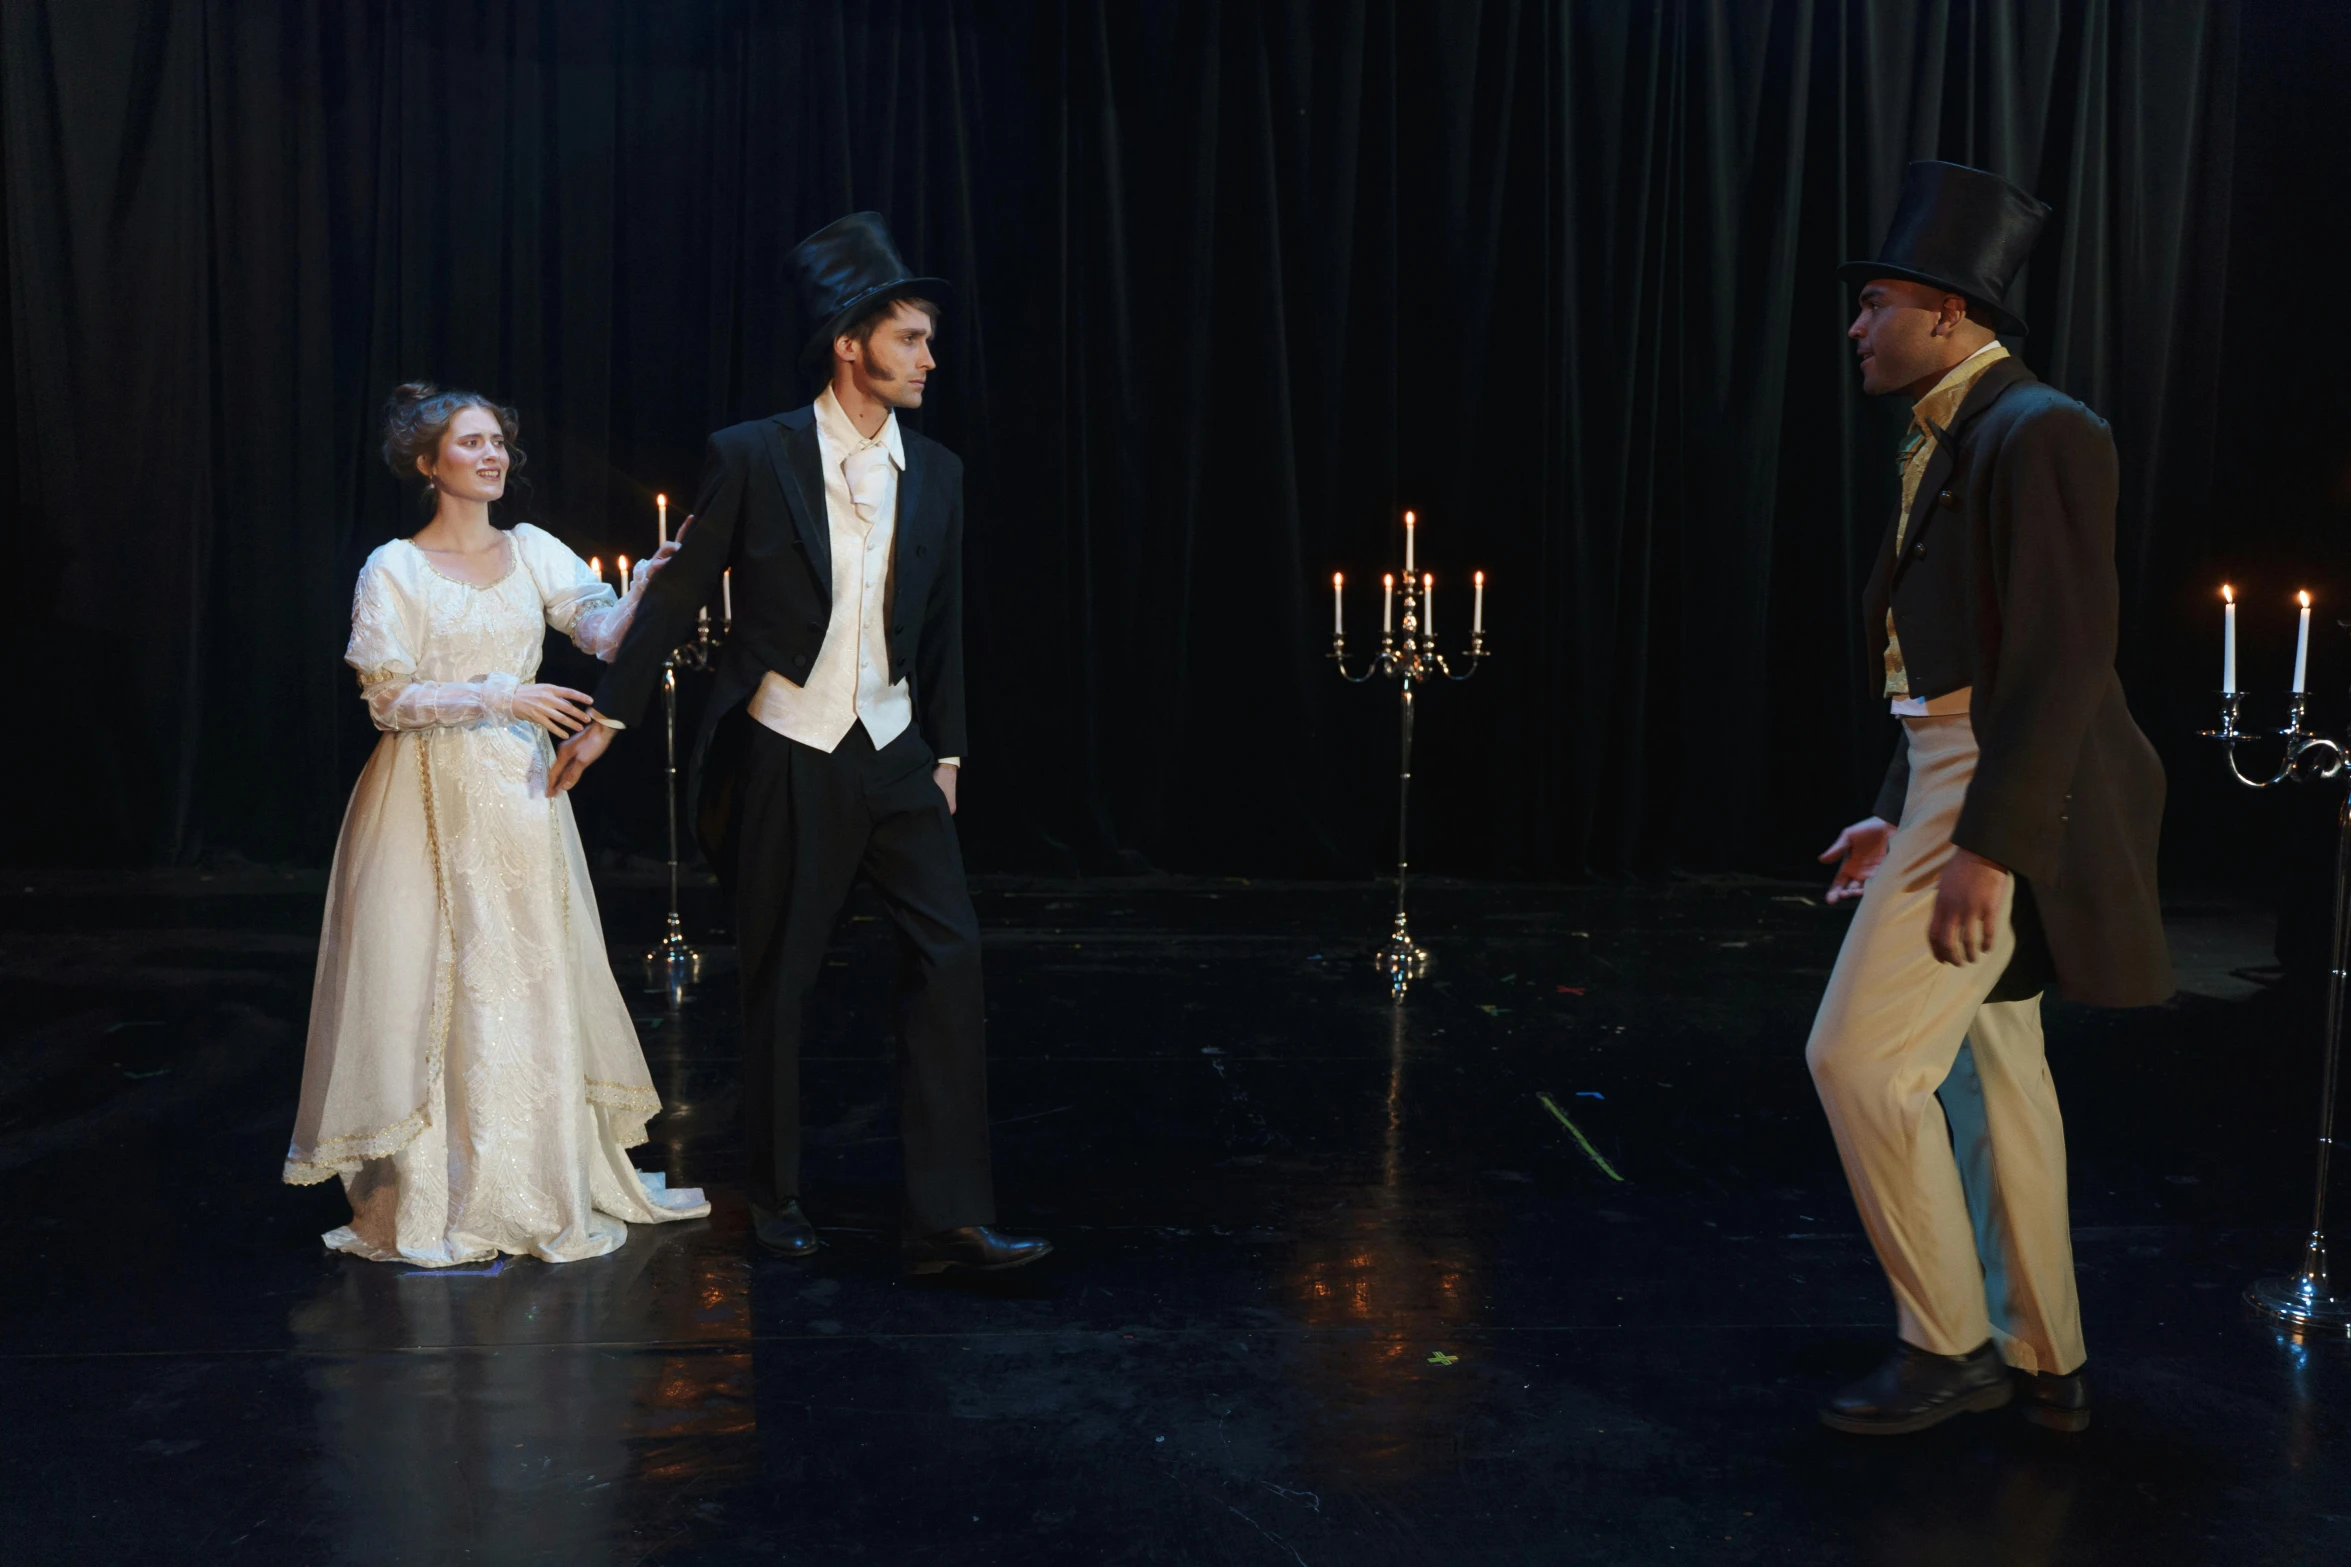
[(807, 823)]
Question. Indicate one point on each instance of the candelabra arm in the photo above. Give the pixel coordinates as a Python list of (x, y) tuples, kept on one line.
[(2229, 735), (2285, 769), (2301, 762), (1377, 666), (1476, 656)]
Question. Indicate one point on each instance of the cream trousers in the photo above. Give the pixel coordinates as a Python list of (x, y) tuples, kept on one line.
[(1889, 1034)]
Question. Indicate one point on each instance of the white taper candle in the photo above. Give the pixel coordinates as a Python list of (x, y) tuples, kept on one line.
[(1387, 604), (2302, 648), (1338, 604), (1477, 608), (1428, 608), (1408, 520), (661, 502), (2228, 640)]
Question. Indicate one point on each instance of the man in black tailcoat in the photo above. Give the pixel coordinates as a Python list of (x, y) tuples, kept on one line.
[(835, 734), (2013, 843)]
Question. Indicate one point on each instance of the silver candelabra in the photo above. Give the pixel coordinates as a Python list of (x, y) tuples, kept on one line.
[(672, 960), (1411, 661), (2305, 1299)]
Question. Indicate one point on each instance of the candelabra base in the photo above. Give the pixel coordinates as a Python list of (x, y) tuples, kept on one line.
[(1401, 959), (2294, 1302), (671, 962), (2303, 1300)]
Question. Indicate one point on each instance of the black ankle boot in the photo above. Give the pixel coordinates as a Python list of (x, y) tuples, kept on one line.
[(784, 1231), (975, 1246), (1914, 1390), (2060, 1403)]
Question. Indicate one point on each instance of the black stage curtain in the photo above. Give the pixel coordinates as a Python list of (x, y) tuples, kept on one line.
[(1236, 283)]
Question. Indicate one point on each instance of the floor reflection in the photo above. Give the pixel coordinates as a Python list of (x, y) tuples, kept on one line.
[(2024, 1518), (1408, 1281), (457, 1419), (1229, 1359)]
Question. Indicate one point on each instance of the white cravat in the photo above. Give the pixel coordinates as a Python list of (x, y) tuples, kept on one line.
[(1939, 407), (850, 682)]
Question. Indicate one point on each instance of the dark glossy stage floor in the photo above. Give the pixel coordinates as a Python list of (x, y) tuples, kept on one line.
[(1333, 1286)]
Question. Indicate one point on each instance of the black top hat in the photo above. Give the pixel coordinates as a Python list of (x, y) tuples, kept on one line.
[(1961, 229), (846, 269)]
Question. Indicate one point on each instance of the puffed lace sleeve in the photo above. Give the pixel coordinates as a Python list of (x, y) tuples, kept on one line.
[(386, 630), (579, 603)]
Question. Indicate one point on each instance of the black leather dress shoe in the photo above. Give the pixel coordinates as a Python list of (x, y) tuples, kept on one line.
[(784, 1231), (974, 1246), (1914, 1390), (2060, 1403)]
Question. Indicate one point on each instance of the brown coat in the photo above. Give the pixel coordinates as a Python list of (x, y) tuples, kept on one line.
[(2006, 584)]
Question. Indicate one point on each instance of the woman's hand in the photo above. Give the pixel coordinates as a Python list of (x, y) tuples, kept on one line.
[(557, 709), (660, 557)]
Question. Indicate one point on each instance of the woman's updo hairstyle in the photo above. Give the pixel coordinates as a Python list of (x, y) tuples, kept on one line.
[(417, 418)]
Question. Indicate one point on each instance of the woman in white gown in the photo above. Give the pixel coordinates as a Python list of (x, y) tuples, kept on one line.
[(472, 1073)]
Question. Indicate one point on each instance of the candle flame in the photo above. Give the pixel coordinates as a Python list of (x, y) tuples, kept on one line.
[(2304, 596), (1428, 580), (623, 568), (1387, 579), (661, 500), (1478, 577), (2228, 594), (1408, 519), (596, 567), (1338, 579)]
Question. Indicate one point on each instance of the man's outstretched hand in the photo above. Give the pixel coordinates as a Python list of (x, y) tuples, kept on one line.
[(1862, 848), (573, 757)]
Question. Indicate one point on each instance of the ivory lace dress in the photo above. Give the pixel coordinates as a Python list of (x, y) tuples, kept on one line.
[(472, 1073)]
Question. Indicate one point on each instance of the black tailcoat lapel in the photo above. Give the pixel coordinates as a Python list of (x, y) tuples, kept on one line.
[(799, 467), (910, 488), (910, 567)]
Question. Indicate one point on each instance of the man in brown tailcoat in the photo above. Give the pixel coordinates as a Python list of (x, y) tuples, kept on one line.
[(2013, 844)]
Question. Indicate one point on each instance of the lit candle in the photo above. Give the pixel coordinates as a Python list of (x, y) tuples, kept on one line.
[(1408, 544), (1477, 612), (2302, 647), (624, 574), (726, 594), (596, 567), (662, 502), (1428, 607), (1387, 603), (2228, 640), (1338, 604)]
